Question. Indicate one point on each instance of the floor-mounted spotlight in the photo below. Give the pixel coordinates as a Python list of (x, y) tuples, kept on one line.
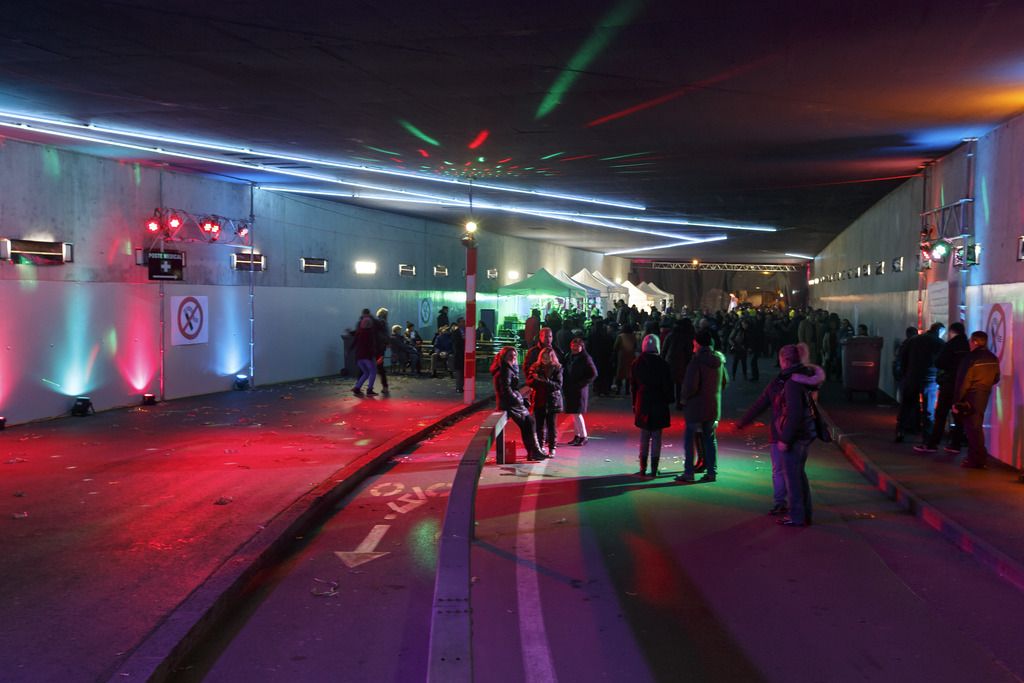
[(241, 382), (3, 423), (149, 399), (82, 407)]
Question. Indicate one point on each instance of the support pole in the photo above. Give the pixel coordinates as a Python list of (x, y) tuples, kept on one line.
[(469, 367)]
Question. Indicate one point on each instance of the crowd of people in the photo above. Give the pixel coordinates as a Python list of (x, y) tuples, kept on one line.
[(666, 359), (660, 360)]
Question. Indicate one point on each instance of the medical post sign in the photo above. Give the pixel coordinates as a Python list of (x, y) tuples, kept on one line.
[(189, 320)]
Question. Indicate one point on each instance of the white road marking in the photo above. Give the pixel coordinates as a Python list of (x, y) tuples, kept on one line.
[(364, 552), (537, 662)]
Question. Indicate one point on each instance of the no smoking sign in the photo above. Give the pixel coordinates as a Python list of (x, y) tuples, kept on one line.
[(189, 315)]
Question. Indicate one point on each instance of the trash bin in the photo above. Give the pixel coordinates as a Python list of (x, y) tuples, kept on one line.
[(862, 360), (348, 350)]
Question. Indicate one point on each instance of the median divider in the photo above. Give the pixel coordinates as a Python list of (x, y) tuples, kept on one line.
[(451, 627)]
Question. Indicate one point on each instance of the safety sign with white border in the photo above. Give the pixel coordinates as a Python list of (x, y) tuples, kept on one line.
[(189, 320)]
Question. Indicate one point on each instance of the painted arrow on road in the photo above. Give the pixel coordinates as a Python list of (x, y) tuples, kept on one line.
[(364, 552)]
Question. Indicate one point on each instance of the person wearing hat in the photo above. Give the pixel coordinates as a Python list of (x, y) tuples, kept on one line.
[(651, 383), (702, 406)]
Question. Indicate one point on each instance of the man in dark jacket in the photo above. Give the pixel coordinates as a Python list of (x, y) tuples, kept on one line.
[(599, 346), (580, 372), (458, 332), (702, 396), (978, 373), (651, 386), (919, 388), (544, 341), (677, 351), (948, 364)]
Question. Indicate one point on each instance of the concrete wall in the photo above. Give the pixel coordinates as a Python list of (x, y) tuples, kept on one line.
[(94, 326), (992, 173)]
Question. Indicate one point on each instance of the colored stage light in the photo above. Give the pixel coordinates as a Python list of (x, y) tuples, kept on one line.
[(418, 133), (3, 423), (939, 250), (241, 382), (242, 230), (479, 139), (21, 125), (174, 221), (423, 153), (82, 406), (149, 399), (153, 224)]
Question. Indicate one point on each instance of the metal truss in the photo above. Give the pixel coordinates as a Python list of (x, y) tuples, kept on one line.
[(742, 267)]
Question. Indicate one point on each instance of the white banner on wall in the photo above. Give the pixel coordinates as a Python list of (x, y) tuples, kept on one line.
[(189, 320), (938, 304)]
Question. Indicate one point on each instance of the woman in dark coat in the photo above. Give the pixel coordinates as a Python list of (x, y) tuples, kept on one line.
[(678, 351), (580, 372), (625, 353), (505, 373), (545, 378), (652, 395)]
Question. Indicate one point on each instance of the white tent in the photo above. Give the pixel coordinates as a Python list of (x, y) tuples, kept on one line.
[(592, 292), (615, 291), (659, 294), (638, 297)]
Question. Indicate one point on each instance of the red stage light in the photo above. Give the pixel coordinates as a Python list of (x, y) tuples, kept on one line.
[(153, 224), (174, 221), (479, 139)]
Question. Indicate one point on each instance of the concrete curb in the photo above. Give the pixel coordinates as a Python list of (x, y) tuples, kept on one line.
[(163, 650), (994, 559)]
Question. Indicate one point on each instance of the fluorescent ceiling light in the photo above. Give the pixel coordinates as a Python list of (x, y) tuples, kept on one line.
[(716, 238), (803, 256), (366, 267), (290, 157), (674, 221)]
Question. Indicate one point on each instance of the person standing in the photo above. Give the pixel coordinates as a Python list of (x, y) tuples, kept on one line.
[(365, 343), (505, 375), (442, 318), (811, 376), (532, 328), (599, 346), (702, 394), (948, 364), (625, 353), (978, 373), (794, 425), (677, 351), (545, 378), (458, 334), (919, 387), (650, 379), (580, 372), (738, 348)]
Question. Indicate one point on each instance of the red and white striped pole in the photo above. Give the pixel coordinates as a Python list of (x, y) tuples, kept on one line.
[(469, 367)]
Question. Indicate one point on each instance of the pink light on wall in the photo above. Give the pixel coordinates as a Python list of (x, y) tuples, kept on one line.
[(479, 139), (138, 355)]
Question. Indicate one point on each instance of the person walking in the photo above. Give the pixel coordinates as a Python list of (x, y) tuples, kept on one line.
[(811, 376), (365, 343), (580, 373), (381, 342), (545, 379), (599, 346), (702, 394), (505, 375), (948, 363), (978, 373), (650, 379)]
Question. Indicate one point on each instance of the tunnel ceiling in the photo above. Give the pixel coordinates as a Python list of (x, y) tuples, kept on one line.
[(792, 115)]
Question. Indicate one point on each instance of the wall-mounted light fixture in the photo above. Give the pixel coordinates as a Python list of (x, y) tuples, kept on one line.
[(366, 267), (36, 252), (243, 260), (512, 275), (440, 271), (897, 264), (309, 264), (492, 273), (406, 270)]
